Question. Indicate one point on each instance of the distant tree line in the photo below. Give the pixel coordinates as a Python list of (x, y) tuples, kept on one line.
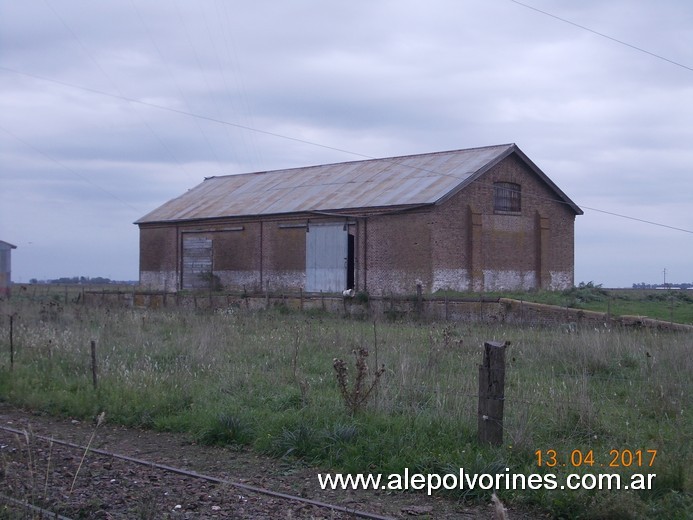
[(663, 286), (79, 280)]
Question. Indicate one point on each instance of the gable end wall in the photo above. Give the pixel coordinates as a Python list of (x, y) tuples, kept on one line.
[(476, 248)]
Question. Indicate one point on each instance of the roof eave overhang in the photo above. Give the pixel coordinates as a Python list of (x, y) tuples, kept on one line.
[(548, 181), (512, 149), (476, 175), (337, 213)]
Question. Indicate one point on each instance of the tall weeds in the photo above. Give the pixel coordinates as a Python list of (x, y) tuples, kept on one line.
[(267, 380), (356, 395)]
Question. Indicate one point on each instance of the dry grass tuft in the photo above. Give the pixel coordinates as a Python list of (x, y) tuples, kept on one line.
[(499, 512), (99, 420)]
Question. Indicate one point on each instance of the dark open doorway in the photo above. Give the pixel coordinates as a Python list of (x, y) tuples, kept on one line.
[(350, 278)]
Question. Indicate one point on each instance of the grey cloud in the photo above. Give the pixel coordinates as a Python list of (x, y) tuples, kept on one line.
[(608, 123)]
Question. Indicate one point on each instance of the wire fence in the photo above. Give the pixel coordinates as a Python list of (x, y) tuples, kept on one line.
[(579, 382), (672, 309)]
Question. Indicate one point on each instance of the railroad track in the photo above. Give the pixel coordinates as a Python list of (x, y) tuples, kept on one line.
[(53, 478)]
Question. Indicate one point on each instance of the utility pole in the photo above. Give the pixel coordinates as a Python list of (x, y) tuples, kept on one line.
[(665, 277)]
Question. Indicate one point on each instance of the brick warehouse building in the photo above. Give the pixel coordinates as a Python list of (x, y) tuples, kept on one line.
[(479, 219)]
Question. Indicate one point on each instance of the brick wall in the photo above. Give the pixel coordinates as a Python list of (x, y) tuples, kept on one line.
[(460, 244), (159, 257), (284, 253), (398, 252)]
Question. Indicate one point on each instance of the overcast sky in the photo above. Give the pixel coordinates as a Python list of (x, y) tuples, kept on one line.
[(97, 106)]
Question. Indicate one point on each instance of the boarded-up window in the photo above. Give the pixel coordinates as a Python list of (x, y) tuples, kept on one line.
[(507, 197), (197, 262)]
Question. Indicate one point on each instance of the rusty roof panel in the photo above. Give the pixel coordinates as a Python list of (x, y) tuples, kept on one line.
[(397, 181)]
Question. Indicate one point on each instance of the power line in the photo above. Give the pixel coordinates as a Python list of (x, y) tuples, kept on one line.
[(64, 166), (637, 219), (96, 63), (616, 40), (182, 112), (303, 141), (203, 75), (173, 78), (243, 107)]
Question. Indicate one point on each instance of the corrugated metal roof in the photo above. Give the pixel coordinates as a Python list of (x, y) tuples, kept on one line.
[(395, 181)]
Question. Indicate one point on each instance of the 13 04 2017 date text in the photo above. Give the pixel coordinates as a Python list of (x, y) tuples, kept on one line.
[(614, 459)]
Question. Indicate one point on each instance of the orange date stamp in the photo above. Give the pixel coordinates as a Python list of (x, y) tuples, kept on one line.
[(585, 458)]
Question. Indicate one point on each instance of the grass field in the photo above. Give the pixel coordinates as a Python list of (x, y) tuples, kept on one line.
[(266, 380), (667, 305)]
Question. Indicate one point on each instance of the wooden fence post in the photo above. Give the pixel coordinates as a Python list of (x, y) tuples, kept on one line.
[(93, 363), (419, 299), (492, 393), (11, 344)]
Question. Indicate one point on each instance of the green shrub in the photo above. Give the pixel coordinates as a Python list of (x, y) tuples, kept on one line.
[(585, 293), (227, 429)]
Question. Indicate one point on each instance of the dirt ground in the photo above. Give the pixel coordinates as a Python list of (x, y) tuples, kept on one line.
[(105, 487)]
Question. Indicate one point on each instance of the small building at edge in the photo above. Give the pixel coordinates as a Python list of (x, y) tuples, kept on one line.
[(480, 219), (6, 267)]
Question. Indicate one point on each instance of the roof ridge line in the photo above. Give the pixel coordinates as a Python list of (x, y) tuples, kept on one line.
[(392, 159)]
